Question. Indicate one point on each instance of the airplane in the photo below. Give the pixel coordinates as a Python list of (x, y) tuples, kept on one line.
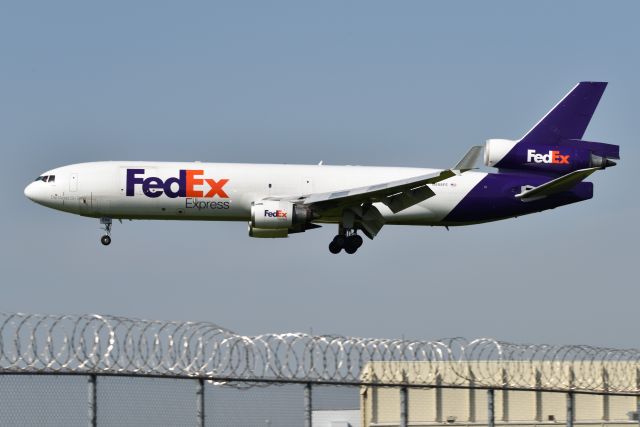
[(544, 169)]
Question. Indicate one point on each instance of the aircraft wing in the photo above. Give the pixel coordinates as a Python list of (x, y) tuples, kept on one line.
[(354, 206), (557, 185), (397, 195)]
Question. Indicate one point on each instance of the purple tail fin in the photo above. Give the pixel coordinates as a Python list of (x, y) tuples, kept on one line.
[(554, 145), (570, 117)]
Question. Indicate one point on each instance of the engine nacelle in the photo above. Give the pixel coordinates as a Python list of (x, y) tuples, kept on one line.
[(496, 149), (271, 214), (565, 156), (277, 218), (269, 233)]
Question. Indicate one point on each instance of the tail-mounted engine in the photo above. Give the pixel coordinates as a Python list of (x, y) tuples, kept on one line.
[(277, 218), (562, 157)]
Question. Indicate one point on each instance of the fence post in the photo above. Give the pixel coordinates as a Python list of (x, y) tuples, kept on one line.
[(570, 398), (606, 404), (200, 402), (439, 416), (538, 395), (93, 400), (505, 395), (404, 406), (491, 414), (638, 397), (308, 405), (472, 397), (570, 409)]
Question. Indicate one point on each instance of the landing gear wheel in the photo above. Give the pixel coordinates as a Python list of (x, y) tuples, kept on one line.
[(106, 238), (337, 244), (334, 248), (346, 239), (352, 244)]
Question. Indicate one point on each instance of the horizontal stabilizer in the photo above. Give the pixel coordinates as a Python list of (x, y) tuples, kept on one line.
[(469, 160), (558, 185)]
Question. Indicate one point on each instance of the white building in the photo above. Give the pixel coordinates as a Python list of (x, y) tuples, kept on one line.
[(331, 418), (380, 406)]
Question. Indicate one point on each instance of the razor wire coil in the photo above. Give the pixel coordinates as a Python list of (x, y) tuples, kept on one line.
[(35, 343)]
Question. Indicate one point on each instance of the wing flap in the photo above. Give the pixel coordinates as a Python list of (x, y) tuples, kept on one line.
[(402, 201), (398, 195)]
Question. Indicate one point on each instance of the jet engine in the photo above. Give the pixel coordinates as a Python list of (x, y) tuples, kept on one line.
[(278, 218), (496, 149)]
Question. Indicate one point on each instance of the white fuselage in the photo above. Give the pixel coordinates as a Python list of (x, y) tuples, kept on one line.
[(225, 191)]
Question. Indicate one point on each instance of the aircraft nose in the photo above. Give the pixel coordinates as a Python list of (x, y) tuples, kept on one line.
[(29, 191)]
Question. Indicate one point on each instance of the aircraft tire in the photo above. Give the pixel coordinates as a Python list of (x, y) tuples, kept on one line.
[(334, 247), (352, 244), (350, 249), (340, 240), (105, 240)]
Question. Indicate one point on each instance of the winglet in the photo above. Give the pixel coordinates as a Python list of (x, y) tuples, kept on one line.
[(469, 160)]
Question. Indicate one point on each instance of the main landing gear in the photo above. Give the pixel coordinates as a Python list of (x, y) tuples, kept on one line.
[(106, 238), (347, 240)]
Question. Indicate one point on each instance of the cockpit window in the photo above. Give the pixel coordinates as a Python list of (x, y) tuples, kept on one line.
[(52, 178), (40, 178)]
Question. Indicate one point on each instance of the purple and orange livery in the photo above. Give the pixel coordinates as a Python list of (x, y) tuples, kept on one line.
[(544, 169), (188, 183)]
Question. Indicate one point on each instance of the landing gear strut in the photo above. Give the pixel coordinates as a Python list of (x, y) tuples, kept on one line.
[(347, 240), (106, 238)]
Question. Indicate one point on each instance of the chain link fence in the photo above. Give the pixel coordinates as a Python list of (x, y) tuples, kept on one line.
[(112, 400), (111, 371), (64, 400)]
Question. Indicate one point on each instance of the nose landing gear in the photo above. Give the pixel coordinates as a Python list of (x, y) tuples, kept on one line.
[(347, 240), (106, 238)]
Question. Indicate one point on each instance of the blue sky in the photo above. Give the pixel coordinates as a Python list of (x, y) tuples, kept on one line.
[(372, 83)]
